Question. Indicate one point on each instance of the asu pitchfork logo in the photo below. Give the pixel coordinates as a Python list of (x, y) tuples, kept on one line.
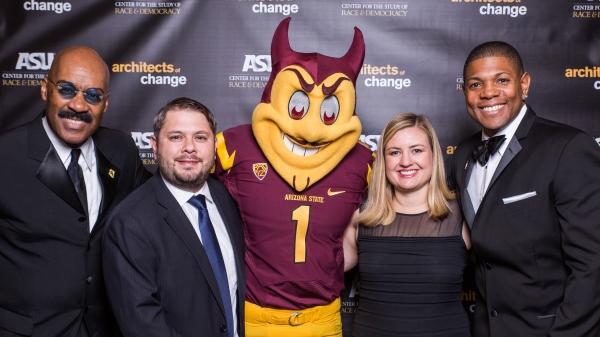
[(260, 170)]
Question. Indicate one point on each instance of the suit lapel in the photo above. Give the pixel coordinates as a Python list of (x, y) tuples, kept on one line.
[(467, 170), (108, 175), (514, 147), (178, 221), (226, 213), (51, 171), (468, 209), (511, 151)]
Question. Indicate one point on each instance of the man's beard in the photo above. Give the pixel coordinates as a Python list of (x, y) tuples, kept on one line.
[(187, 180)]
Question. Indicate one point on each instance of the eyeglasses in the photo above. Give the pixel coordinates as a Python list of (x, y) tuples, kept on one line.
[(68, 90)]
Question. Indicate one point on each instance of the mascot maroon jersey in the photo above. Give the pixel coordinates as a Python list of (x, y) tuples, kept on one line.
[(294, 256)]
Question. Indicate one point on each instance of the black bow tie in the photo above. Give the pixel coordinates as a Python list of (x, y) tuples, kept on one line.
[(487, 148)]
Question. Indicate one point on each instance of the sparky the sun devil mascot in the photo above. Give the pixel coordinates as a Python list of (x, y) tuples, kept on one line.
[(298, 173)]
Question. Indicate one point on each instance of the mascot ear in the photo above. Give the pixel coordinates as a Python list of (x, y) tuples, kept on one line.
[(280, 46), (356, 54)]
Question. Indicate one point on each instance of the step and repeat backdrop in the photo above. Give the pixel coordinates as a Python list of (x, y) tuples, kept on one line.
[(218, 52)]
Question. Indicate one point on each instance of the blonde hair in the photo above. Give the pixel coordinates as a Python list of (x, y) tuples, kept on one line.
[(379, 210)]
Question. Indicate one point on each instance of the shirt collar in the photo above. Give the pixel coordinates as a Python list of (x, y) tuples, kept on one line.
[(509, 130), (183, 197), (64, 151)]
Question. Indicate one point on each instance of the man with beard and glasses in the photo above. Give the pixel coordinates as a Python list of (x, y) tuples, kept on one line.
[(174, 249), (61, 175)]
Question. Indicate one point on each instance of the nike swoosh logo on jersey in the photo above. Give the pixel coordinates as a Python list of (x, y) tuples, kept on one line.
[(331, 194)]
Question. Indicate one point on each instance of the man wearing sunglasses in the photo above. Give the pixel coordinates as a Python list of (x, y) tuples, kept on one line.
[(60, 176)]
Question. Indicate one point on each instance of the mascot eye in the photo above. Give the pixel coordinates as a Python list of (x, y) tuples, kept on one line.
[(298, 105), (330, 109)]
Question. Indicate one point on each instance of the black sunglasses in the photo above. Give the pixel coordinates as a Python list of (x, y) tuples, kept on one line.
[(68, 90)]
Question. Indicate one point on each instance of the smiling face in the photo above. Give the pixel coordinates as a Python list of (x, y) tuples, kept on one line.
[(409, 161), (495, 92), (306, 129), (185, 149), (74, 120)]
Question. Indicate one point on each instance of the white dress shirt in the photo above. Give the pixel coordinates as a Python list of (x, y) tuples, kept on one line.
[(482, 175), (87, 161), (191, 212)]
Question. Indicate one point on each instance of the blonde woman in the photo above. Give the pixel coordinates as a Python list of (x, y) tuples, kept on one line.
[(411, 245)]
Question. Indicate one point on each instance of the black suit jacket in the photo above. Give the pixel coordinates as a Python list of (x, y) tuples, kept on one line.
[(51, 267), (538, 253), (159, 279)]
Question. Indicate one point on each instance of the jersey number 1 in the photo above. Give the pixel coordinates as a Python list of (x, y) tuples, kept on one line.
[(302, 217)]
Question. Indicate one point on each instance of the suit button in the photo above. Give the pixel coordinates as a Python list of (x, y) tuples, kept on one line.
[(488, 266), (494, 313), (223, 328), (81, 219), (89, 279)]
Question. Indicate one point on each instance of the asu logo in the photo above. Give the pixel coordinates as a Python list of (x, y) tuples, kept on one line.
[(257, 63), (35, 61), (260, 170)]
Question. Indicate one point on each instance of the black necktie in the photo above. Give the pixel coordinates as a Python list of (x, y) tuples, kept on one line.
[(213, 250), (76, 174), (487, 148)]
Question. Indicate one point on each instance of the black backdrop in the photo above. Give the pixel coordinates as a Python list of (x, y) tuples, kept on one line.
[(217, 52)]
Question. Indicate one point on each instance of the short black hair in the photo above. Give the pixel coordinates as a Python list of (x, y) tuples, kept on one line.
[(183, 103), (495, 49)]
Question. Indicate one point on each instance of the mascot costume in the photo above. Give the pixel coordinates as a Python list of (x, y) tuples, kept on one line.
[(297, 175)]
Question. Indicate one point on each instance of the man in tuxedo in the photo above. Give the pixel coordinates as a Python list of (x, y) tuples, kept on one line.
[(530, 192), (174, 249), (61, 174)]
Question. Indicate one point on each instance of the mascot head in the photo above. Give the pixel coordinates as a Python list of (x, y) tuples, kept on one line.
[(305, 123)]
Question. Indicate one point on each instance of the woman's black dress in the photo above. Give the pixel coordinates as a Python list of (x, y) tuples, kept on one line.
[(411, 275)]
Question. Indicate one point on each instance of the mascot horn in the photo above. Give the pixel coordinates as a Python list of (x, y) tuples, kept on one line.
[(317, 65)]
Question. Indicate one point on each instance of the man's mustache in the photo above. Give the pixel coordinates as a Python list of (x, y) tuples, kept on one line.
[(189, 158), (85, 117)]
